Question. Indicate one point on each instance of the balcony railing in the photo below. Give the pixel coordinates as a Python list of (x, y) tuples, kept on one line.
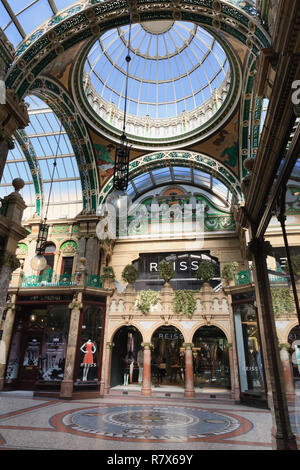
[(64, 280)]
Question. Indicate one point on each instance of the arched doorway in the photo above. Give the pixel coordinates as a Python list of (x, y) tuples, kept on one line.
[(167, 359), (211, 358), (127, 341)]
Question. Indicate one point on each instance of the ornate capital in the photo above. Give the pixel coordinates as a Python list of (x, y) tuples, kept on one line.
[(10, 306), (109, 345), (10, 260), (75, 305), (258, 247), (147, 346), (188, 345)]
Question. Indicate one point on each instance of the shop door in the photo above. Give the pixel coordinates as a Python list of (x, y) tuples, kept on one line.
[(30, 359)]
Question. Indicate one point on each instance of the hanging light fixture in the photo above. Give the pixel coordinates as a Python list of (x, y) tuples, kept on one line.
[(39, 262), (118, 196)]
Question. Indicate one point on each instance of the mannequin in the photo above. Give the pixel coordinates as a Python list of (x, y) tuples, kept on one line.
[(129, 362), (88, 349), (297, 356)]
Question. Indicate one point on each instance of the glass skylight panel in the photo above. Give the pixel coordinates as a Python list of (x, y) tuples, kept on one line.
[(162, 175), (31, 17), (27, 15), (181, 173), (170, 64)]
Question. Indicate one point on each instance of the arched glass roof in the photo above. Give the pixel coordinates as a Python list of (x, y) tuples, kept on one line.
[(40, 140), (20, 18), (175, 174), (174, 67)]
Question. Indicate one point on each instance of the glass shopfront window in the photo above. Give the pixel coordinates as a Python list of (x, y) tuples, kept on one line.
[(167, 359), (38, 348), (90, 344), (211, 358), (249, 349), (55, 344)]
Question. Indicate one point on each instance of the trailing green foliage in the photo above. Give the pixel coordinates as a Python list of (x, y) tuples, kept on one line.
[(283, 303), (229, 271), (166, 270), (147, 298), (108, 273), (130, 274), (295, 266), (205, 271), (184, 303)]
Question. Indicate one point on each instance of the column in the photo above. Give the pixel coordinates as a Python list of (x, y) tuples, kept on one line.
[(14, 233), (282, 436), (232, 378), (66, 389), (146, 385), (6, 337), (107, 371), (288, 375), (233, 358), (189, 391)]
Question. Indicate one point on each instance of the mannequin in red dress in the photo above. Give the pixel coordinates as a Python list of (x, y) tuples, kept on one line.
[(88, 349)]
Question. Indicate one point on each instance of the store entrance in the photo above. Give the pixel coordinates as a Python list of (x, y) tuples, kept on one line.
[(167, 361), (127, 356), (211, 358)]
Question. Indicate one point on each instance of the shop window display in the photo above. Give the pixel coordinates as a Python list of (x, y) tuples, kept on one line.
[(89, 344), (249, 349), (38, 348), (54, 344), (15, 352), (167, 359), (294, 341), (127, 357), (211, 358)]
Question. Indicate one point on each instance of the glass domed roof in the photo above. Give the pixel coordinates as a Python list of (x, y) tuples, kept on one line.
[(174, 67)]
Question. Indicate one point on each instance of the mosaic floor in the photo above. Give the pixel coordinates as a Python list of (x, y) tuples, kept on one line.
[(169, 423), (131, 423)]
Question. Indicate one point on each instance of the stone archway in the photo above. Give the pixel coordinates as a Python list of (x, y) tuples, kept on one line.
[(126, 340), (167, 356), (211, 358)]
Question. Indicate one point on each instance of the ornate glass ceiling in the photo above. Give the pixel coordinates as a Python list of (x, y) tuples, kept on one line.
[(20, 18), (184, 175), (32, 160), (175, 67)]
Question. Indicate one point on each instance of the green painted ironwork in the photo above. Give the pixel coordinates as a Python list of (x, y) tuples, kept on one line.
[(246, 277), (63, 280), (243, 277), (94, 281)]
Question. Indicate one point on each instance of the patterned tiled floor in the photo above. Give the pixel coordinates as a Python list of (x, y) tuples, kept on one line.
[(131, 423)]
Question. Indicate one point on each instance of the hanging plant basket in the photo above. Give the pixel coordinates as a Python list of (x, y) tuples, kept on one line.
[(205, 271), (229, 271), (147, 299), (130, 274), (184, 303), (108, 273), (166, 270)]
